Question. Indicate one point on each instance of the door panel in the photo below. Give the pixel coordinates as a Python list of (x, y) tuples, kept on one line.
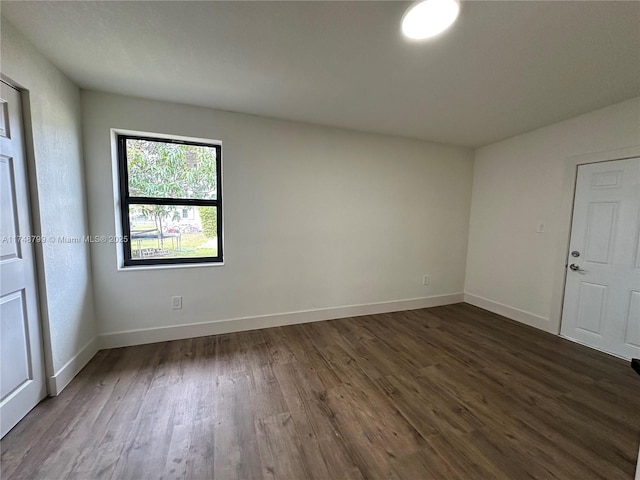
[(638, 249), (592, 302), (607, 179), (4, 119), (602, 292), (632, 330), (8, 212), (600, 222), (14, 342), (22, 383)]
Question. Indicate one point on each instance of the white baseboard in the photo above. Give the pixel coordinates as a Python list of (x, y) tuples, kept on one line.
[(516, 314), (177, 332), (62, 377)]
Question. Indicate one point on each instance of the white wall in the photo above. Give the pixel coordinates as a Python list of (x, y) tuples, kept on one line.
[(67, 306), (519, 183), (315, 218)]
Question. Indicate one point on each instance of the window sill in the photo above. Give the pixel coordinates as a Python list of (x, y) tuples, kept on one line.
[(136, 268)]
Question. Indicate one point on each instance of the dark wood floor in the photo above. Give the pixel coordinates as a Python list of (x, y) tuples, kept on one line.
[(443, 393)]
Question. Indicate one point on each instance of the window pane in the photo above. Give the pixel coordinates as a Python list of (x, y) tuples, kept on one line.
[(172, 231), (171, 170)]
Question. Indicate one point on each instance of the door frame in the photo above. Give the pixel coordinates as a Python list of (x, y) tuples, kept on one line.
[(36, 230), (571, 165)]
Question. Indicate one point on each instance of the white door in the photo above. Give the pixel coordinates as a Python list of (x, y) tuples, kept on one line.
[(22, 383), (602, 294)]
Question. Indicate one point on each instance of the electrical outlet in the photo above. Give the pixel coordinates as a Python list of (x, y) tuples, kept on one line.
[(425, 280), (176, 303)]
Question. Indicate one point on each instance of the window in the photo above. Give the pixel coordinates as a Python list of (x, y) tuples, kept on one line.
[(170, 200)]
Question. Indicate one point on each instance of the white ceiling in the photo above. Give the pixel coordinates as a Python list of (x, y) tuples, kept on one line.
[(504, 68)]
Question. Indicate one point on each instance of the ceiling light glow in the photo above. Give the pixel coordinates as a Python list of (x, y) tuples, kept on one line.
[(428, 18)]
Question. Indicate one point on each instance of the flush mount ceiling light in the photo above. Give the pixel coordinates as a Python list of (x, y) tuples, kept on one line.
[(428, 18)]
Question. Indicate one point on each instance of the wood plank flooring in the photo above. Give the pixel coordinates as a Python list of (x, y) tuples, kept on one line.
[(451, 392)]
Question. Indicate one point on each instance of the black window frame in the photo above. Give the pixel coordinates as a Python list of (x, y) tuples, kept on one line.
[(126, 200)]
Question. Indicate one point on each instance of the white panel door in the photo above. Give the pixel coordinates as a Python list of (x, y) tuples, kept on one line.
[(22, 383), (602, 294)]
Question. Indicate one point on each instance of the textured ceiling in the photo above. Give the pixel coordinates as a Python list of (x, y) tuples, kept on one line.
[(504, 68)]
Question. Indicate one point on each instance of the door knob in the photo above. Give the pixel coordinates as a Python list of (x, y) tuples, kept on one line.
[(576, 268)]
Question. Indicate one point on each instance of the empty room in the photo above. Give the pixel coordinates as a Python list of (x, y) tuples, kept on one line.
[(291, 240)]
